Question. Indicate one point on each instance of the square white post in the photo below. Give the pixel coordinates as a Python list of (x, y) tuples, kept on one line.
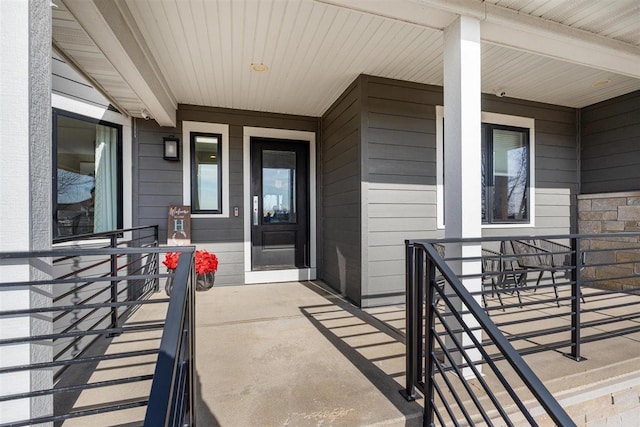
[(25, 196), (462, 153)]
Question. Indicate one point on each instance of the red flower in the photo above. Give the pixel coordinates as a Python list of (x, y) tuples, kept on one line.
[(205, 262), (171, 260)]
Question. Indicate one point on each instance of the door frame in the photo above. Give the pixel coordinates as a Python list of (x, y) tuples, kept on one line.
[(288, 275)]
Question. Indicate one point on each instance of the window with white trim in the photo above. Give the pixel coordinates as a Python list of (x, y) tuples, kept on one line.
[(206, 168), (507, 181)]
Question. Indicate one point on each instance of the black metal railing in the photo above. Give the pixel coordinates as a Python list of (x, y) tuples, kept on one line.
[(88, 295), (451, 346), (568, 289), (171, 401)]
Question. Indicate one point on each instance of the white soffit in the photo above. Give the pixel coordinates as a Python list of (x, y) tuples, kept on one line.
[(111, 29), (203, 50), (313, 51)]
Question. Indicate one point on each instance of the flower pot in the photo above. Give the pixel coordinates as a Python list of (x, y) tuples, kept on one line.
[(204, 282), (168, 286)]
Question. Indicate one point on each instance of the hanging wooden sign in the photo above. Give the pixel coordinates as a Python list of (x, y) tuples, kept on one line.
[(179, 226)]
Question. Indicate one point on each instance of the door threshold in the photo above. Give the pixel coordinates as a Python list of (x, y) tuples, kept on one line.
[(273, 276)]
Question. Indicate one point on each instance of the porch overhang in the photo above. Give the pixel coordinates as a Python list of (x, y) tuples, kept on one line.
[(153, 56), (110, 26)]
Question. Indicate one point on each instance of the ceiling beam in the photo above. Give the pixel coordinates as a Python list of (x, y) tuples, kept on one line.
[(507, 27), (111, 27)]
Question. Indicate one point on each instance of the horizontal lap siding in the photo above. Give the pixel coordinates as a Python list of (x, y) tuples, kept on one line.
[(399, 140), (400, 175), (610, 134), (556, 164), (158, 183), (341, 194)]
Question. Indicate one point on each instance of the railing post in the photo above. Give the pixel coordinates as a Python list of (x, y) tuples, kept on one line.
[(427, 416), (576, 295), (114, 284), (409, 392), (156, 264)]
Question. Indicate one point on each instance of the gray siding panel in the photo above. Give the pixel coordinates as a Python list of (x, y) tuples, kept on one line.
[(158, 183), (400, 174), (400, 171), (66, 81), (610, 144), (341, 194)]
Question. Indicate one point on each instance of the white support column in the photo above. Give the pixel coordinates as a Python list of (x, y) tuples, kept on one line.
[(25, 195), (462, 149)]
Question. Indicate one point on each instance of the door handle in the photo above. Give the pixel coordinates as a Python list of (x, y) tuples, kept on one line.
[(255, 210)]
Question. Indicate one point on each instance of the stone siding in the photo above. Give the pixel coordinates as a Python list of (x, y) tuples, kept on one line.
[(611, 213)]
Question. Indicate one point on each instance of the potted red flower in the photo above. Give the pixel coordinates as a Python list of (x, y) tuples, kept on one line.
[(206, 267)]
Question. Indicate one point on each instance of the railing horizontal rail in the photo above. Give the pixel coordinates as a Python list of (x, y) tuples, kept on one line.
[(441, 311), (92, 290)]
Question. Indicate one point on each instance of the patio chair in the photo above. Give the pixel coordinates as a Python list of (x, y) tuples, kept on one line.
[(543, 256), (491, 271)]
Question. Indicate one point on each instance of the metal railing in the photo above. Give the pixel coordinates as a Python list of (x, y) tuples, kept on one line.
[(87, 295), (570, 289), (449, 343), (171, 402)]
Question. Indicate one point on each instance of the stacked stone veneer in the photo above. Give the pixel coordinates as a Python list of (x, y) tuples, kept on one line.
[(611, 213)]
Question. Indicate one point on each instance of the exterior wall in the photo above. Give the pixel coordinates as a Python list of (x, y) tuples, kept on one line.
[(556, 164), (610, 139), (157, 183), (399, 175), (67, 82), (611, 213), (25, 198), (340, 180)]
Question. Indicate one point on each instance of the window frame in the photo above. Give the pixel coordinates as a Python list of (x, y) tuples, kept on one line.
[(495, 119), (207, 128), (56, 112), (489, 202), (194, 174)]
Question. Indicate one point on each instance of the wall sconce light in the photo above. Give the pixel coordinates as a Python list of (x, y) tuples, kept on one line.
[(171, 148)]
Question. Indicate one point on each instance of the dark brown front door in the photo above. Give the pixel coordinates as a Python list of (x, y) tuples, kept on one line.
[(279, 204)]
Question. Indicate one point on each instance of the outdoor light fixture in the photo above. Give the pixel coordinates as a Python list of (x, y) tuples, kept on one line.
[(171, 148)]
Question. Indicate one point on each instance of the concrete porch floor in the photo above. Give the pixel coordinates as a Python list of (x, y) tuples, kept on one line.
[(296, 354)]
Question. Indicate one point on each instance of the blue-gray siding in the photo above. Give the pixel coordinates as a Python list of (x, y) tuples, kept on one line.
[(399, 172), (158, 183), (340, 179), (610, 142)]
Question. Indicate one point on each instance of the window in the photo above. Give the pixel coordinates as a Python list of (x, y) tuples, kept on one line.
[(508, 155), (206, 171), (505, 174), (87, 191)]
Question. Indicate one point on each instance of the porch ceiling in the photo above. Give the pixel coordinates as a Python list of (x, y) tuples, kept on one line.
[(154, 54)]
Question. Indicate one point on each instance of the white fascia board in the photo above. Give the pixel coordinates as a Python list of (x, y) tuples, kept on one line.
[(107, 24), (410, 12), (540, 36), (506, 27)]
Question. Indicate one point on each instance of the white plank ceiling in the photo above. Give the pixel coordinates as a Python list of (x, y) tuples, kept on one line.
[(616, 19), (204, 50)]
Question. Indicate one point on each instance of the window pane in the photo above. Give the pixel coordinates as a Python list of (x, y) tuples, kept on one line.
[(510, 175), (206, 157), (86, 196), (278, 186)]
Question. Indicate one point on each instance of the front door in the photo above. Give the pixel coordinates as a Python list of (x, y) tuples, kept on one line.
[(279, 204)]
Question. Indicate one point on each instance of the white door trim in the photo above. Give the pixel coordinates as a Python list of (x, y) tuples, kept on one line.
[(278, 275)]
